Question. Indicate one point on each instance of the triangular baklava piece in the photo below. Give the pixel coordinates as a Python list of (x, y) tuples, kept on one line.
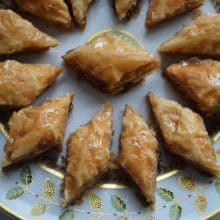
[(125, 8), (88, 155), (111, 64), (200, 81), (80, 10), (34, 130), (162, 10), (55, 11), (184, 133), (200, 37), (21, 83), (19, 35), (138, 153)]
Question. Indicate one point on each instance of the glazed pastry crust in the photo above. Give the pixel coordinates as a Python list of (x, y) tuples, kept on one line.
[(200, 37), (19, 35), (55, 11), (200, 81), (111, 64), (21, 83), (162, 10), (125, 8), (184, 133), (34, 130), (139, 153), (88, 155), (80, 11)]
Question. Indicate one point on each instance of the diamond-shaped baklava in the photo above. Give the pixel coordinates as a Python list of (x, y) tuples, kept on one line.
[(55, 11), (19, 35), (88, 155), (184, 133), (111, 64), (80, 10), (34, 130), (21, 83), (200, 37), (125, 8), (162, 10), (200, 81), (138, 153)]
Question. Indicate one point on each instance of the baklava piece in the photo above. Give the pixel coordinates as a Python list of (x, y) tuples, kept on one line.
[(80, 10), (162, 10), (185, 134), (19, 35), (55, 11), (138, 153), (21, 83), (200, 37), (111, 64), (125, 8), (200, 81), (35, 130), (88, 155)]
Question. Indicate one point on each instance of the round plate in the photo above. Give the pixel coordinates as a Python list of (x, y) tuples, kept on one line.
[(34, 189)]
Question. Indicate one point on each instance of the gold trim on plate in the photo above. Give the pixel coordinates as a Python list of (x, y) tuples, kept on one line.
[(105, 185), (11, 212), (212, 215)]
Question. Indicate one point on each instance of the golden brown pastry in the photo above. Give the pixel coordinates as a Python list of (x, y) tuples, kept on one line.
[(184, 133), (21, 83), (200, 37), (200, 81), (80, 10), (88, 155), (111, 64), (162, 10), (55, 11), (138, 153), (19, 35), (34, 130), (125, 8)]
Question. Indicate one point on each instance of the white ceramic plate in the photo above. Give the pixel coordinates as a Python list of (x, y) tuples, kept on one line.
[(185, 194)]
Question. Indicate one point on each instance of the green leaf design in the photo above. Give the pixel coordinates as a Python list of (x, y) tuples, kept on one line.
[(149, 217), (95, 201), (14, 193), (26, 176), (216, 4), (118, 203), (122, 218), (187, 182), (217, 154), (200, 204), (48, 188), (38, 209), (67, 215), (175, 212), (217, 185), (165, 194)]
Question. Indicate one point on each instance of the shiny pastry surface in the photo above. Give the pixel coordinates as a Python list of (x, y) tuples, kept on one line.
[(199, 80), (184, 133), (55, 11), (88, 155), (110, 63), (125, 7), (21, 83), (138, 153), (33, 130), (80, 10), (162, 10), (200, 37), (19, 35)]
